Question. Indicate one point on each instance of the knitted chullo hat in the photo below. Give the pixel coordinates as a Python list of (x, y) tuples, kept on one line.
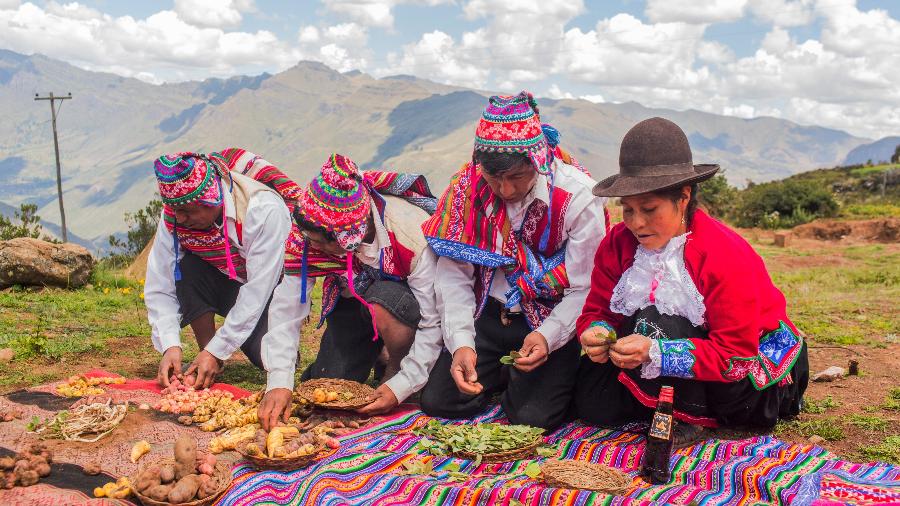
[(513, 125), (186, 178), (338, 200)]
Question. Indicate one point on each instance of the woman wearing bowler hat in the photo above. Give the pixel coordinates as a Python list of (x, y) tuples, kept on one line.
[(691, 302)]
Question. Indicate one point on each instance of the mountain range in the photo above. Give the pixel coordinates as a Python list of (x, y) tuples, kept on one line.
[(114, 127)]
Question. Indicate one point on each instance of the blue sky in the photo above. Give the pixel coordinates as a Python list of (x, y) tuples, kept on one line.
[(826, 62)]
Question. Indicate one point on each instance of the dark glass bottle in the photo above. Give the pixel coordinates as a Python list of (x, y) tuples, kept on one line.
[(655, 465)]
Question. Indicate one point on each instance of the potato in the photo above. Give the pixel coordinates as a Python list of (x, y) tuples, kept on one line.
[(185, 456), (185, 489), (7, 463), (206, 469), (139, 450), (43, 469), (27, 478), (92, 468), (167, 473), (148, 478), (207, 488), (159, 492)]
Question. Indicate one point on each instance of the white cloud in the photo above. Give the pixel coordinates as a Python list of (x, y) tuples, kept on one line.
[(783, 12), (160, 47), (213, 13), (741, 111), (597, 99), (695, 11), (714, 52), (556, 93), (342, 46), (508, 49), (438, 57), (373, 13), (9, 4)]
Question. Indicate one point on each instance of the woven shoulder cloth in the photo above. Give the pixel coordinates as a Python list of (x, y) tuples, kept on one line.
[(471, 225)]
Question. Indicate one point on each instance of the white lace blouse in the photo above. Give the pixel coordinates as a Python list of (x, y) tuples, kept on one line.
[(660, 278)]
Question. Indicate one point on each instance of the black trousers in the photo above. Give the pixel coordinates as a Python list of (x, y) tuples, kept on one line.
[(205, 289), (601, 399), (347, 350), (539, 398)]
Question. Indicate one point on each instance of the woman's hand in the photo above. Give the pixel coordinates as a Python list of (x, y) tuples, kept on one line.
[(631, 351), (594, 343)]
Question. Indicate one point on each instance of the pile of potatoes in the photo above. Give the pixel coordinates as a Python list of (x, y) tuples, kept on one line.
[(190, 478), (81, 386), (282, 443), (228, 414), (26, 468), (181, 398)]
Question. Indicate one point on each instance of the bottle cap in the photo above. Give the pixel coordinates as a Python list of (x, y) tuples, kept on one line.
[(666, 394)]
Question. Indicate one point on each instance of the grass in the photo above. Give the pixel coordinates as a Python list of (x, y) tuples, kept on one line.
[(892, 402), (818, 407), (829, 429), (869, 423), (886, 451)]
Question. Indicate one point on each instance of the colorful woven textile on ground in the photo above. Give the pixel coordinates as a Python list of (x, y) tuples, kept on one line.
[(369, 470)]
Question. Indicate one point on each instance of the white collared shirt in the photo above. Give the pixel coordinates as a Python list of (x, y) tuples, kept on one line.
[(265, 228), (585, 227), (427, 344)]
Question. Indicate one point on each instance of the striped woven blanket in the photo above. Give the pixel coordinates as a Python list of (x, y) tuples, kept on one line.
[(370, 469)]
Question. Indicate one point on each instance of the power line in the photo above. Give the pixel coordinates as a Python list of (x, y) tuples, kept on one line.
[(54, 111)]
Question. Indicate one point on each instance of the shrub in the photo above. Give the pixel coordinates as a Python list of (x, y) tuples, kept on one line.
[(141, 229), (29, 225), (783, 204), (717, 196)]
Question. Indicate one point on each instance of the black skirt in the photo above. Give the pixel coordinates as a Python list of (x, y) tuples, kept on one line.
[(607, 395)]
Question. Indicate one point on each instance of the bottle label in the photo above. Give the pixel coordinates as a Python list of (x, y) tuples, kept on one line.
[(661, 426)]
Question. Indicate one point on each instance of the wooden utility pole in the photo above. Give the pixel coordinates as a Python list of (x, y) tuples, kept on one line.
[(53, 111)]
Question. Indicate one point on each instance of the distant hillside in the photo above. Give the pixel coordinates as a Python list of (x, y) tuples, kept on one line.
[(115, 126), (875, 152)]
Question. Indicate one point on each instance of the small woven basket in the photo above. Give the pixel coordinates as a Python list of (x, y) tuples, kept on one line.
[(281, 464), (360, 392), (222, 473), (578, 474), (504, 456)]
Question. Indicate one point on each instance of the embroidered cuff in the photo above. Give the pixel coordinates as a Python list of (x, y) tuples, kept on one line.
[(603, 324), (652, 369), (677, 358)]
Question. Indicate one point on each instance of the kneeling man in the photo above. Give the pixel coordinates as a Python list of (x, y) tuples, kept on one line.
[(515, 232)]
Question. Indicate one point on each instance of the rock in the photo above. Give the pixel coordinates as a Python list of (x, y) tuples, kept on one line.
[(782, 239), (32, 262), (6, 355), (816, 440), (832, 373)]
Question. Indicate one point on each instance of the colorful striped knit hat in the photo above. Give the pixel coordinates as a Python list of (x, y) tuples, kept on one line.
[(513, 125), (186, 178), (338, 200)]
